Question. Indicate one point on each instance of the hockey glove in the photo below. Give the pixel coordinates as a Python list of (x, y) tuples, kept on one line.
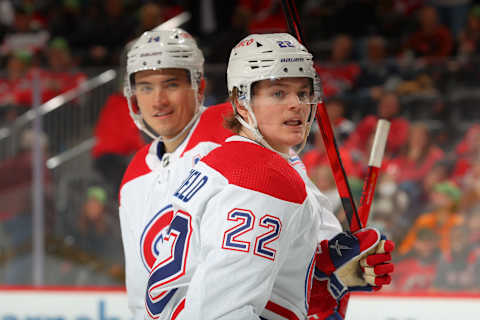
[(354, 262)]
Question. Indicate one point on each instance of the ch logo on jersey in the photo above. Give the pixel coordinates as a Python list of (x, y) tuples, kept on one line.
[(153, 235)]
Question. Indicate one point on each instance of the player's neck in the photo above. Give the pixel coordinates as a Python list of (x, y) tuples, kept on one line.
[(172, 145)]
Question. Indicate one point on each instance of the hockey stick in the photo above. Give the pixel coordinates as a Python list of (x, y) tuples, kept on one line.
[(333, 154), (174, 22), (325, 127), (374, 164)]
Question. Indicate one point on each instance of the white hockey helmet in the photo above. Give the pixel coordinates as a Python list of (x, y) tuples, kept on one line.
[(268, 57), (162, 49)]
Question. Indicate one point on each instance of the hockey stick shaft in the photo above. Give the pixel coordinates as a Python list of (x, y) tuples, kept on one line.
[(374, 164), (325, 127), (174, 22), (336, 165)]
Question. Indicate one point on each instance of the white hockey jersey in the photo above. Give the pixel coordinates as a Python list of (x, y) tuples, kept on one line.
[(242, 241), (145, 194)]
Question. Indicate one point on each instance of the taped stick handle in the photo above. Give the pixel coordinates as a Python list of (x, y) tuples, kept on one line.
[(379, 143)]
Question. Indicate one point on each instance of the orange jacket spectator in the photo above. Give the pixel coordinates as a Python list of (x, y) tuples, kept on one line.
[(431, 220), (444, 197)]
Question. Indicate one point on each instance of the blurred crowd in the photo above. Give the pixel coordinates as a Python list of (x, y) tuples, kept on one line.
[(413, 62)]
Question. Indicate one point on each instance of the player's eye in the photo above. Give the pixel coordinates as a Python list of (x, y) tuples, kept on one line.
[(279, 94), (144, 88), (304, 96), (171, 85)]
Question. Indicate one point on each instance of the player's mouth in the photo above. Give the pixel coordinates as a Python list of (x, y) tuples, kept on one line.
[(163, 114), (293, 123)]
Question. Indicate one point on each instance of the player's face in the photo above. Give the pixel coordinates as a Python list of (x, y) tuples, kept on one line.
[(166, 100), (282, 108)]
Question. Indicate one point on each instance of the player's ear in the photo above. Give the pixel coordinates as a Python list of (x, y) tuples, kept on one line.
[(238, 104), (242, 111)]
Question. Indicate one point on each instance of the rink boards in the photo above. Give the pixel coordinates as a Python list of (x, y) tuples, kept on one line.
[(111, 304)]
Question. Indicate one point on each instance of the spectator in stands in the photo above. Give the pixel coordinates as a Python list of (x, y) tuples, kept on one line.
[(419, 193), (376, 70), (102, 33), (473, 223), (416, 158), (388, 108), (470, 184), (388, 201), (14, 85), (467, 151), (117, 140), (318, 156), (94, 240), (396, 19), (443, 215), (452, 13), (28, 32), (265, 16), (342, 127), (61, 74), (459, 267), (64, 18), (416, 269), (431, 40), (469, 37), (339, 73), (150, 16), (218, 25)]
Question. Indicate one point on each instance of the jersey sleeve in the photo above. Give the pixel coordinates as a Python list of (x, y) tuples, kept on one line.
[(128, 225), (244, 239)]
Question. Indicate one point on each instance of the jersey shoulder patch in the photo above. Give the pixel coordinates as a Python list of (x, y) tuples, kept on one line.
[(137, 167), (254, 167), (210, 126)]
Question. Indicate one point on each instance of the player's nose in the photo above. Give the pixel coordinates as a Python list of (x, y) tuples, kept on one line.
[(161, 97)]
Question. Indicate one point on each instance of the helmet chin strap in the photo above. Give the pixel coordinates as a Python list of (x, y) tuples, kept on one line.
[(253, 128), (187, 127)]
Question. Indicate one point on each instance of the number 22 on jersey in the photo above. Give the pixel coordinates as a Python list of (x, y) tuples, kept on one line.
[(232, 238)]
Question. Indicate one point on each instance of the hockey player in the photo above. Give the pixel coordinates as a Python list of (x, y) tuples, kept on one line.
[(164, 88), (248, 221)]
